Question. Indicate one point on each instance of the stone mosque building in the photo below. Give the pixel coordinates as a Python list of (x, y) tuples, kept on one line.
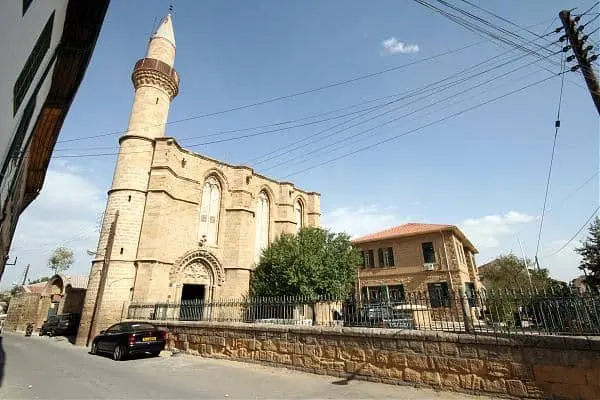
[(179, 225)]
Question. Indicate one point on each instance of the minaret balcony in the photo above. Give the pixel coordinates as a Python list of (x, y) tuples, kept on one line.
[(156, 72)]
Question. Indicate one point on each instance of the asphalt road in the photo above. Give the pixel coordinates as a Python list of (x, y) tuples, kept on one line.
[(52, 368)]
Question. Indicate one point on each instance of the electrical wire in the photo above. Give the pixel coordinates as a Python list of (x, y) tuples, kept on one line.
[(289, 96), (575, 235), (296, 94), (589, 9), (503, 19), (434, 86), (556, 129), (406, 133), (432, 104)]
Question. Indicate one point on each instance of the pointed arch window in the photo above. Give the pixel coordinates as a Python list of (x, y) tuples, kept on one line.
[(262, 225), (299, 212), (209, 211)]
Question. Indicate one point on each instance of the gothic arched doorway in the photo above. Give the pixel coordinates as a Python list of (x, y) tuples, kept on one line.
[(193, 279)]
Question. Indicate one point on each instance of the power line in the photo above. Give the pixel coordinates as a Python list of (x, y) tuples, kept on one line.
[(575, 235), (322, 148), (289, 96), (556, 128), (296, 94), (432, 86), (503, 19), (589, 9), (419, 128)]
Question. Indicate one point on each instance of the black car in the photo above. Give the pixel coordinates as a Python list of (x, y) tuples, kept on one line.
[(129, 338), (49, 325), (67, 325)]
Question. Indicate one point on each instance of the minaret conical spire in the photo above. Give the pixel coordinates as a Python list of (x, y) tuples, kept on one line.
[(165, 29)]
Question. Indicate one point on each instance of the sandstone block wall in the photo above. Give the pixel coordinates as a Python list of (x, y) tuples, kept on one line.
[(528, 367), (22, 309)]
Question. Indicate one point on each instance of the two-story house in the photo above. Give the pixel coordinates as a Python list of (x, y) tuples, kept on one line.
[(431, 260)]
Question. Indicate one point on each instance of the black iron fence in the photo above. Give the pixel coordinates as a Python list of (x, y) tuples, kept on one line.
[(546, 312)]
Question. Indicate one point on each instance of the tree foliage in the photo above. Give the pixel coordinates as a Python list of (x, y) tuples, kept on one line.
[(590, 253), (38, 280), (314, 262), (61, 260), (509, 272)]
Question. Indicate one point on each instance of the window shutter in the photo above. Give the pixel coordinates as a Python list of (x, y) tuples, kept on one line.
[(381, 260)]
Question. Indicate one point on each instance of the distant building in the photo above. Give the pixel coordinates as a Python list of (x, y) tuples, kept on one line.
[(36, 302), (427, 258), (45, 47)]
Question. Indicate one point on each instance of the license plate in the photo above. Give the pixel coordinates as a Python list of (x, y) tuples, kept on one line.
[(148, 339)]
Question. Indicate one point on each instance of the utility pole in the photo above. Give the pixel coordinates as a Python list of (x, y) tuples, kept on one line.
[(25, 275), (525, 262), (103, 274), (585, 64)]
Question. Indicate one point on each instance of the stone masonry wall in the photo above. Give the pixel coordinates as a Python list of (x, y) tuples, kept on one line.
[(22, 309), (520, 367)]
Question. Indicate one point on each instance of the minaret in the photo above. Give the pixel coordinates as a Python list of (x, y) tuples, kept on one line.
[(111, 281)]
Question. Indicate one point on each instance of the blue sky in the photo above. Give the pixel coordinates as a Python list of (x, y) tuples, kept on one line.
[(484, 171)]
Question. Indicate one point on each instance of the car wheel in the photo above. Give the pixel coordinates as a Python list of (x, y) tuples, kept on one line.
[(94, 349), (155, 353), (50, 333), (118, 353)]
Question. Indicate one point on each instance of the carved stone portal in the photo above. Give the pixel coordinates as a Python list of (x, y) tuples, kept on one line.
[(196, 271), (196, 266)]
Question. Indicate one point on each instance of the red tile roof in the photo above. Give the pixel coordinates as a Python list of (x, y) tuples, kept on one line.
[(35, 287), (411, 229)]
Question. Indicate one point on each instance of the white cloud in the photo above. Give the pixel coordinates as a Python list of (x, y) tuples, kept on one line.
[(394, 46), (362, 220), (485, 232), (65, 213)]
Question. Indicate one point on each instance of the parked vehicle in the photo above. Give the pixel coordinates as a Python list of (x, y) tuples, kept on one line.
[(129, 338), (49, 325), (67, 325)]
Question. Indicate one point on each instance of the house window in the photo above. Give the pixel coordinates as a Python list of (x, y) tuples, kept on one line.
[(362, 259), (386, 257), (209, 211), (374, 294), (369, 258), (26, 4), (262, 225), (396, 293), (299, 211), (471, 294), (439, 296), (428, 252), (32, 65)]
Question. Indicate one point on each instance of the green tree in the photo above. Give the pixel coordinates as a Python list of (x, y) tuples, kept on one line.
[(314, 262), (61, 260), (509, 272), (590, 253), (38, 280)]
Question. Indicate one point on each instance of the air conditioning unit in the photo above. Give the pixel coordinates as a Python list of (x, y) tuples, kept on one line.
[(429, 267)]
